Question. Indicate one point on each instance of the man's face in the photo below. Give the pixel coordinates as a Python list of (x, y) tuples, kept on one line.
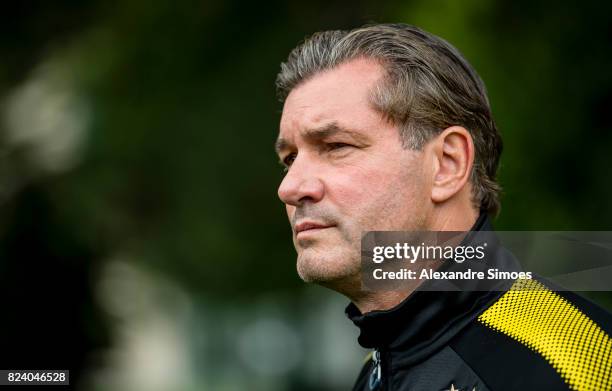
[(347, 172)]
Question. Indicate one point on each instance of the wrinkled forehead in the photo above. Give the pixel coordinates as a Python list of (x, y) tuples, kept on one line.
[(340, 95)]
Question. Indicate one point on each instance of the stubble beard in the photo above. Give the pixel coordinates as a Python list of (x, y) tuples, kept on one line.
[(331, 261), (334, 261)]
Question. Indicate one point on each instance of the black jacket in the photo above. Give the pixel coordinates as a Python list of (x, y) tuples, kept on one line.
[(512, 339)]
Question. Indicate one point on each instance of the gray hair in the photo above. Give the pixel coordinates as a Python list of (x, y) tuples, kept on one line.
[(428, 87)]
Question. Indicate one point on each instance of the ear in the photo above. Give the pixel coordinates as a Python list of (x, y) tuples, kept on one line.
[(453, 154)]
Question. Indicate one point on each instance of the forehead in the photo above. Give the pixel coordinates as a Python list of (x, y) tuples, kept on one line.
[(339, 95)]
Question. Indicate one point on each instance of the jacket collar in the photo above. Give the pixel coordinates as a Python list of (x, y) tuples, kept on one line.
[(426, 320)]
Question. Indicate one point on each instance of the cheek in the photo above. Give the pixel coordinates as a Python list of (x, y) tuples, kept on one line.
[(380, 197), (360, 190)]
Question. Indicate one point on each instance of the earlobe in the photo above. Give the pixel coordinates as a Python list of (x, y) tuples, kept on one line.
[(454, 153)]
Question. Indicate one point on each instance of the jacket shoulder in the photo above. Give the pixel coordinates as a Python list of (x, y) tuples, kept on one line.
[(534, 337)]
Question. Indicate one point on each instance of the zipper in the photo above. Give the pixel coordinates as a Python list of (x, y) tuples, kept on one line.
[(376, 375)]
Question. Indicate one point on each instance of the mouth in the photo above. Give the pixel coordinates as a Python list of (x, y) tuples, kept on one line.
[(308, 227)]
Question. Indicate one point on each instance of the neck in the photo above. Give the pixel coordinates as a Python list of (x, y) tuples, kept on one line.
[(380, 301), (368, 301), (461, 219)]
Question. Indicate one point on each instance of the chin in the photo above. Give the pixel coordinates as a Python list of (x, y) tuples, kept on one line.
[(327, 269)]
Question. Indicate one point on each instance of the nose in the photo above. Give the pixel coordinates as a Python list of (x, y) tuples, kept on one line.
[(301, 184)]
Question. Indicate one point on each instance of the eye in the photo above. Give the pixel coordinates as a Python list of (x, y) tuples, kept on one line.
[(334, 146), (288, 160)]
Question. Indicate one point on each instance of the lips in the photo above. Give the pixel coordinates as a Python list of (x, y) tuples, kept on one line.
[(309, 226)]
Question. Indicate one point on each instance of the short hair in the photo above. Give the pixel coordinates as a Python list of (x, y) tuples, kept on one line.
[(428, 86)]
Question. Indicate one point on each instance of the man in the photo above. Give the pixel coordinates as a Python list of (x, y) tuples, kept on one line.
[(388, 128)]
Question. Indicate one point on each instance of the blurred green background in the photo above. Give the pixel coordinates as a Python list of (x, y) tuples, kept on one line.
[(142, 244)]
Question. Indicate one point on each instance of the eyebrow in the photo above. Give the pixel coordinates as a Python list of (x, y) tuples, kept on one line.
[(320, 133)]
